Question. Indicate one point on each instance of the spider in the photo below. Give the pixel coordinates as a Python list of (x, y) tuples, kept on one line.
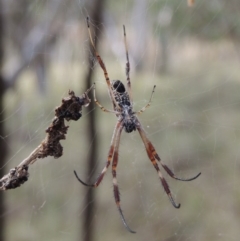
[(126, 119)]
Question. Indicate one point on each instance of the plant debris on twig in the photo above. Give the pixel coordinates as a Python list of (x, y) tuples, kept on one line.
[(70, 109)]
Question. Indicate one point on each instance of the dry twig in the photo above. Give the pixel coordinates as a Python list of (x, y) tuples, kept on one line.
[(70, 109)]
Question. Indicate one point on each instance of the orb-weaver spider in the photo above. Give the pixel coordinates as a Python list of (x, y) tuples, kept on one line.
[(127, 119)]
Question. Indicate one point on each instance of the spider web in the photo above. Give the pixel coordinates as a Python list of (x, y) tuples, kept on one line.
[(193, 122)]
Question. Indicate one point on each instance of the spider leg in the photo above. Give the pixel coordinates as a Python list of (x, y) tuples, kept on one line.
[(100, 106), (172, 175), (148, 104), (150, 146), (127, 66), (116, 135), (87, 91), (115, 185), (152, 157), (102, 65)]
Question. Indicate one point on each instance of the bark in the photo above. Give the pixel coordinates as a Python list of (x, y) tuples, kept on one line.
[(88, 223), (3, 147)]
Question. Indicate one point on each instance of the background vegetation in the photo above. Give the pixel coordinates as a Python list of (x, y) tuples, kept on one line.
[(191, 54)]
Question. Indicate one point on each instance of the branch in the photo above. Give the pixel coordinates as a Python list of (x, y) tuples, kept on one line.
[(70, 109)]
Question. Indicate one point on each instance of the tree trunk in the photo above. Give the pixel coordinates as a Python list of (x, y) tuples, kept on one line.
[(88, 223), (3, 147)]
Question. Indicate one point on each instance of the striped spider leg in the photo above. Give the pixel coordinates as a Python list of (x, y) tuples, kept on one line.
[(112, 156), (129, 89), (127, 119), (153, 156), (102, 65)]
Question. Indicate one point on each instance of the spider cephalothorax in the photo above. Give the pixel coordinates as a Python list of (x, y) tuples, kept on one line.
[(122, 104)]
